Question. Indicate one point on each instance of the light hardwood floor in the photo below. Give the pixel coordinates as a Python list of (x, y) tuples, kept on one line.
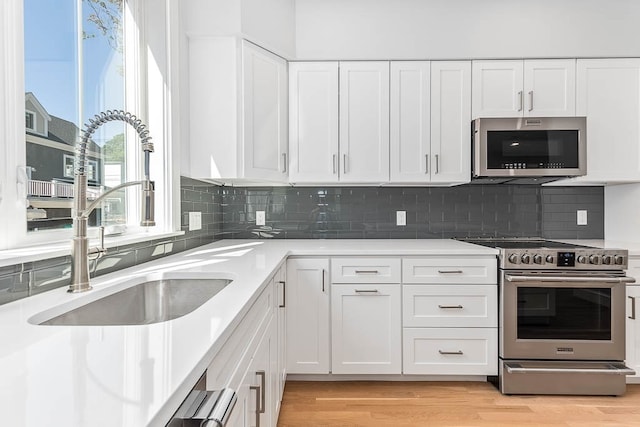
[(431, 404)]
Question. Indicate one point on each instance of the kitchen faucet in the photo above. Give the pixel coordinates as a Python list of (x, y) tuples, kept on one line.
[(80, 251)]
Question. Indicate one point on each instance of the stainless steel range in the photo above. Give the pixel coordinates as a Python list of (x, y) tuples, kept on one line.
[(562, 318)]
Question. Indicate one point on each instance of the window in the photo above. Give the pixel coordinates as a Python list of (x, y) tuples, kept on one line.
[(30, 120), (74, 67)]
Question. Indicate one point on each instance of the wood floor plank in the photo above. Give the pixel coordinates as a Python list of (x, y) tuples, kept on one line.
[(447, 404)]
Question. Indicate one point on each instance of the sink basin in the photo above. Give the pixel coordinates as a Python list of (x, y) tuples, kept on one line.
[(148, 302)]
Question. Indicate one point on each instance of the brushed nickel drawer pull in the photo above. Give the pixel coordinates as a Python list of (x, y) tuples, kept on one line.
[(284, 294), (450, 271), (459, 352), (450, 306), (633, 308), (366, 291), (367, 272)]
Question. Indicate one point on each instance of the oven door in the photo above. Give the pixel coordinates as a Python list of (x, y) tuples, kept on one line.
[(562, 316)]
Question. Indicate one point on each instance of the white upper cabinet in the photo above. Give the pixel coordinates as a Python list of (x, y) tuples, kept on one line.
[(339, 122), (450, 122), (313, 124), (608, 94), (237, 111), (529, 88), (364, 121), (265, 114), (410, 136), (430, 117)]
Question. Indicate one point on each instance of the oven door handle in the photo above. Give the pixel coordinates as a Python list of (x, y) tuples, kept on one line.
[(611, 369), (570, 279)]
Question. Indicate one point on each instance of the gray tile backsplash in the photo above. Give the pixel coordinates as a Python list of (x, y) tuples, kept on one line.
[(340, 213), (432, 213)]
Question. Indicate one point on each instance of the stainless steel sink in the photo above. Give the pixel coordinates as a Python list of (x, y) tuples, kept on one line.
[(148, 302)]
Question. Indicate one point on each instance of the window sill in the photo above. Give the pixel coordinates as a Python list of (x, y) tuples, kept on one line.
[(63, 248)]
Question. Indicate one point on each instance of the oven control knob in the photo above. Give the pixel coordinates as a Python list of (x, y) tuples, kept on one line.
[(526, 258), (594, 259), (537, 259), (582, 259), (606, 259), (549, 259), (513, 259), (618, 259)]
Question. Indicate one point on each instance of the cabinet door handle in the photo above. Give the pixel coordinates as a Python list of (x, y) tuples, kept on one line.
[(530, 100), (520, 100), (450, 352), (335, 164), (633, 308), (284, 162), (344, 163), (284, 294), (450, 271), (256, 388), (426, 163), (367, 272), (366, 291), (450, 306), (323, 280), (263, 391), (437, 164)]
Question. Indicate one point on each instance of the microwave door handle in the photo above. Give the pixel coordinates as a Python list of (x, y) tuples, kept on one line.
[(569, 279)]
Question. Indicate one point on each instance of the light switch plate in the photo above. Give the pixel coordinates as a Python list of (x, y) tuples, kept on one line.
[(581, 217), (260, 218), (195, 221), (401, 217)]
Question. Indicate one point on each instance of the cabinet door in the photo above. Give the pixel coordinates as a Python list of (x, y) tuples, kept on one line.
[(307, 316), (281, 320), (497, 89), (550, 88), (410, 115), (265, 114), (364, 121), (313, 122), (259, 374), (366, 329), (633, 333), (608, 94), (450, 122)]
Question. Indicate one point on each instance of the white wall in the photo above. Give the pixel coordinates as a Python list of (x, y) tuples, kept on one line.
[(459, 29), (622, 212), (268, 23)]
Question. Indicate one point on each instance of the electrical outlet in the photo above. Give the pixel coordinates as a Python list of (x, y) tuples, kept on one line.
[(581, 217), (195, 221), (401, 217), (260, 218)]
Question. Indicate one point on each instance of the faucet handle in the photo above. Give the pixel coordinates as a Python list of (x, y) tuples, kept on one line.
[(97, 252)]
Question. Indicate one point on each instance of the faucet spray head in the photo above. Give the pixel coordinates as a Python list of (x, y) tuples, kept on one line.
[(148, 203)]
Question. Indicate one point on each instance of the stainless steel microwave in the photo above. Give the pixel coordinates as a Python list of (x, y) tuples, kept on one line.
[(529, 147)]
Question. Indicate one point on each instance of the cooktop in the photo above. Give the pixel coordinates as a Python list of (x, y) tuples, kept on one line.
[(523, 244)]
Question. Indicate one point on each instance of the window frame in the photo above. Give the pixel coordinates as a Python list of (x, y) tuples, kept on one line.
[(33, 120), (140, 15)]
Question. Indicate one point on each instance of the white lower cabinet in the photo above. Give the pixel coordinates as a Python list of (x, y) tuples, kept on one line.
[(450, 351), (450, 315), (366, 329), (633, 332), (308, 331)]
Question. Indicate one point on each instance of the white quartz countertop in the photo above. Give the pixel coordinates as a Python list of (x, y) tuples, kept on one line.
[(138, 375)]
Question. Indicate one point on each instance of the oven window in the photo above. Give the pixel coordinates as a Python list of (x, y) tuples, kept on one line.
[(564, 313), (534, 149)]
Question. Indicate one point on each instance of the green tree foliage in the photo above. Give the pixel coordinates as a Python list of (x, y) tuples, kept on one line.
[(113, 149)]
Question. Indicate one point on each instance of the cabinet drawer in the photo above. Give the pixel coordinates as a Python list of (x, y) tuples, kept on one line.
[(450, 306), (450, 351), (365, 270), (458, 270)]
